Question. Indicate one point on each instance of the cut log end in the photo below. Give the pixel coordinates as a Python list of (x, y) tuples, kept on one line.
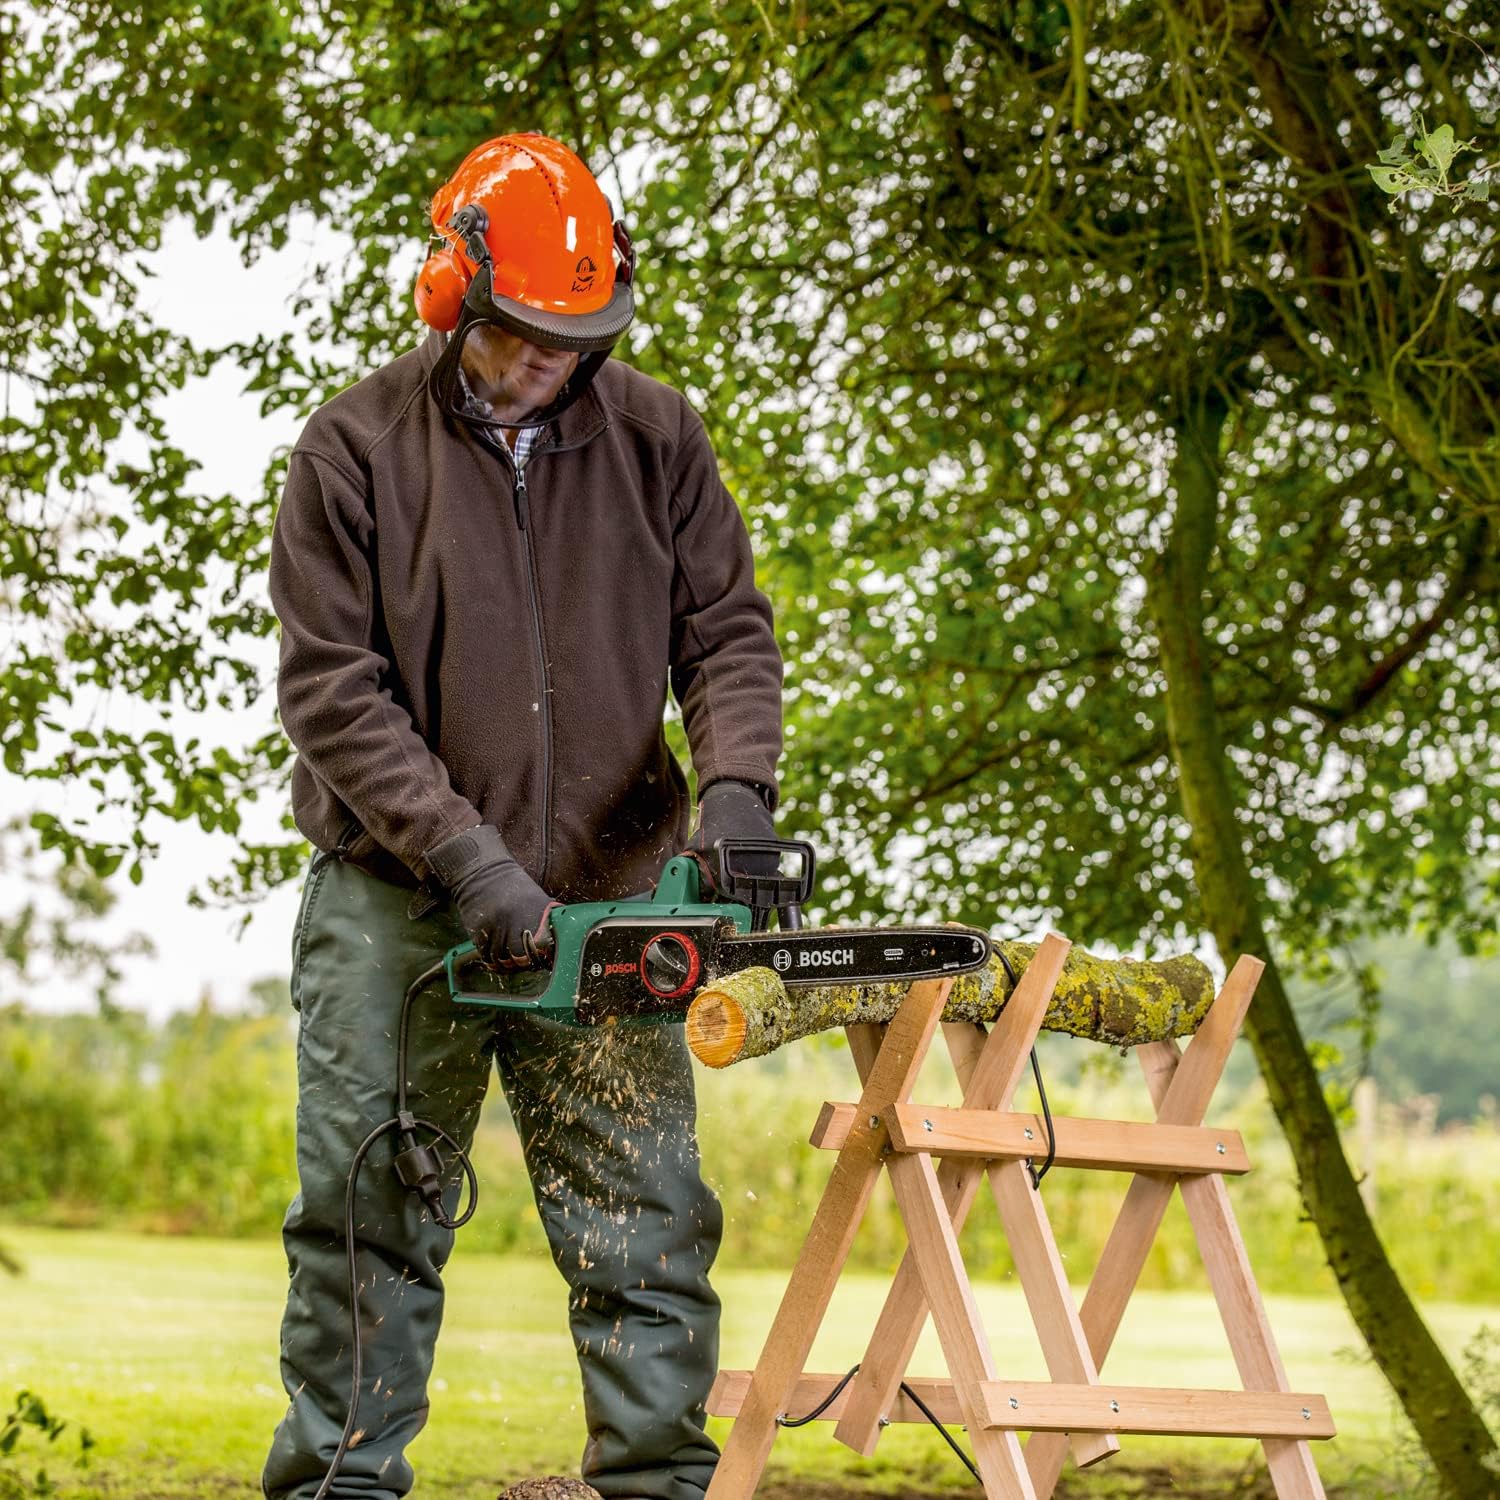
[(716, 1027)]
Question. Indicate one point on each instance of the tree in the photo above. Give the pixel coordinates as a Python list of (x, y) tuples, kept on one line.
[(1125, 467), (1162, 536)]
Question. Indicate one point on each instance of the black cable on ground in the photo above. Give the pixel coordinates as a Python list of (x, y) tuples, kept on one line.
[(425, 1161)]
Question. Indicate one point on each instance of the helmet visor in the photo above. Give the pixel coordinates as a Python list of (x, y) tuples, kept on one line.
[(583, 333), (491, 364)]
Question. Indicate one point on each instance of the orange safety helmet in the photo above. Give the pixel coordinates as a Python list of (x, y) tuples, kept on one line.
[(532, 247)]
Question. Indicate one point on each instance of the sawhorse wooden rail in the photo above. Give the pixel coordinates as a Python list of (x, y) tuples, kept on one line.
[(885, 1131)]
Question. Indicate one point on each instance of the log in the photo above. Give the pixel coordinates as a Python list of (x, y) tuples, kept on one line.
[(1120, 1001)]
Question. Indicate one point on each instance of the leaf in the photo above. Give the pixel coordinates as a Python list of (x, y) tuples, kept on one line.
[(1440, 147), (1390, 180), (1396, 152)]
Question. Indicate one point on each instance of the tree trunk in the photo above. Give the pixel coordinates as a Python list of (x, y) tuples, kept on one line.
[(1120, 1001), (1446, 1420)]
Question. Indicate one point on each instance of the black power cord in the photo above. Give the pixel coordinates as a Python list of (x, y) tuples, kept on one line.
[(926, 1411), (419, 1166), (1037, 1173), (906, 1390)]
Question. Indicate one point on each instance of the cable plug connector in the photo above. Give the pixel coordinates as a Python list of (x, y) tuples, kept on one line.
[(419, 1168)]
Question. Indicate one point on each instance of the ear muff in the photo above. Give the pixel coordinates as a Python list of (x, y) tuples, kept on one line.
[(439, 293)]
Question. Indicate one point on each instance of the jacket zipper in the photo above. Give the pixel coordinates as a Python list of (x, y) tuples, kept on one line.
[(533, 590)]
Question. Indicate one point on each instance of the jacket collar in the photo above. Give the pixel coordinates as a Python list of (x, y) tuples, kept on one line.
[(586, 418)]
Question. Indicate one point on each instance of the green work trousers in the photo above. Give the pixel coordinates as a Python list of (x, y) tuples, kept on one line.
[(607, 1128)]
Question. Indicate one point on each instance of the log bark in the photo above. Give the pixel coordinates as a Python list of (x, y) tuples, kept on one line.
[(1119, 1001)]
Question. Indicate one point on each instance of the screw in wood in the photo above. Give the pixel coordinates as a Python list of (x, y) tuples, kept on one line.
[(1219, 1147), (1014, 1404)]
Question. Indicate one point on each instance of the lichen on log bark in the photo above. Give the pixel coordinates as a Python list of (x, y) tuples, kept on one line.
[(1120, 1001)]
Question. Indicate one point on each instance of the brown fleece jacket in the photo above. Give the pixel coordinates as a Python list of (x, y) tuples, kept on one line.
[(444, 664)]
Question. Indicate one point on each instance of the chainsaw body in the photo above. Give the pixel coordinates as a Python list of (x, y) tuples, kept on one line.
[(644, 958), (620, 948)]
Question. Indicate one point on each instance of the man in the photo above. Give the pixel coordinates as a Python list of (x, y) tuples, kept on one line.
[(493, 557)]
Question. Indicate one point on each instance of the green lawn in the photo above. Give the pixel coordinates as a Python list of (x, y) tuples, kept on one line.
[(166, 1349)]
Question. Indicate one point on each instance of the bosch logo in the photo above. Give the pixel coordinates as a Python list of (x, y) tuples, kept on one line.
[(596, 969), (825, 957), (619, 968), (782, 960)]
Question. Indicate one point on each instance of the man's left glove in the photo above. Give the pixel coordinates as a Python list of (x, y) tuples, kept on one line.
[(504, 909), (730, 809)]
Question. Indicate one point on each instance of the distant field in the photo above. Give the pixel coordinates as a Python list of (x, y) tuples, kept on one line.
[(166, 1349), (189, 1129)]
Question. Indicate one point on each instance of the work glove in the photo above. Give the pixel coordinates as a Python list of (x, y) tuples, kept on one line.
[(730, 809), (504, 909)]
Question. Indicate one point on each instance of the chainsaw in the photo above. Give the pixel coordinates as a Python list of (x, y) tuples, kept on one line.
[(644, 957)]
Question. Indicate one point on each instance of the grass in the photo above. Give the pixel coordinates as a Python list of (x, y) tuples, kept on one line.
[(166, 1350)]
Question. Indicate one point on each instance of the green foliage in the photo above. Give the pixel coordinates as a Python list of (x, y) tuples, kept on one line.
[(184, 1127), (940, 289), (18, 1481), (1427, 169), (1418, 1018)]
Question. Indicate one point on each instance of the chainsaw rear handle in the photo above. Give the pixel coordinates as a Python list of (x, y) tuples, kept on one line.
[(466, 956)]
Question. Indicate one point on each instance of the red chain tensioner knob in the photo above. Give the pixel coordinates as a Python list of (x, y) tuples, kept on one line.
[(670, 964)]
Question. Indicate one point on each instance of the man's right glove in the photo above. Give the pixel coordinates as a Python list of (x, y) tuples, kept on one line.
[(731, 809), (504, 909)]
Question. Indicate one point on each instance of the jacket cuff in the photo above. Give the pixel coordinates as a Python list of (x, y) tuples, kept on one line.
[(761, 790), (768, 791)]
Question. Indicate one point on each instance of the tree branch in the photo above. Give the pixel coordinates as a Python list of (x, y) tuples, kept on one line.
[(1478, 552)]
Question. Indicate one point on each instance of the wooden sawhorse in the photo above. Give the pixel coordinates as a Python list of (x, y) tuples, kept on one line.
[(884, 1131)]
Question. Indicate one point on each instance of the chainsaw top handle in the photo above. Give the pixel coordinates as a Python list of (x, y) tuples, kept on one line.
[(766, 875)]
